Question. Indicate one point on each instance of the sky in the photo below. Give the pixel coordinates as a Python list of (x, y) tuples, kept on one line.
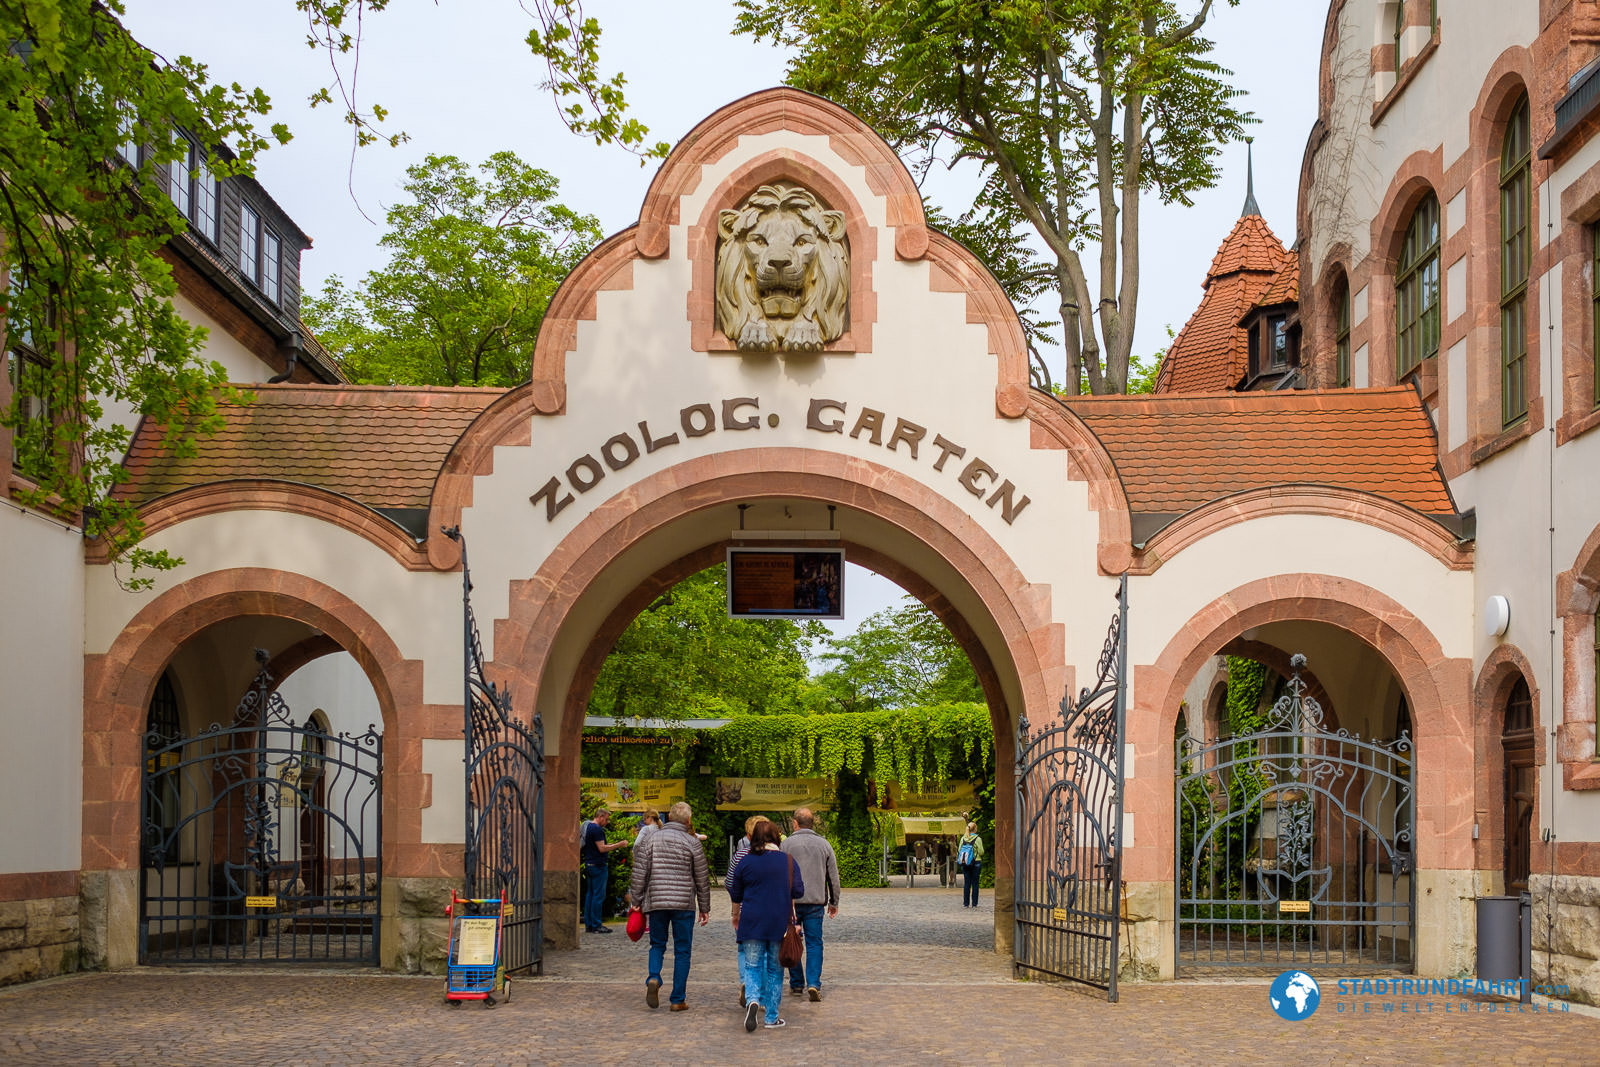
[(456, 76)]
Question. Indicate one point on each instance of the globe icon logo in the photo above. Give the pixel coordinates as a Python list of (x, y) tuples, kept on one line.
[(1294, 995)]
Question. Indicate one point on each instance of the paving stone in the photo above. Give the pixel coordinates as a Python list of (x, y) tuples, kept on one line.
[(907, 975)]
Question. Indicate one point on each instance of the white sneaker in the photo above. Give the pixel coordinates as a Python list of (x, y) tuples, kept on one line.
[(774, 1026), (750, 1012)]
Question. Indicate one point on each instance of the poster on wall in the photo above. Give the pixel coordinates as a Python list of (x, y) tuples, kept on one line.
[(950, 796), (786, 583), (637, 794), (774, 794)]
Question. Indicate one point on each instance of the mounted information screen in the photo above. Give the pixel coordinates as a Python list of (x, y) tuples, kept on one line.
[(786, 583)]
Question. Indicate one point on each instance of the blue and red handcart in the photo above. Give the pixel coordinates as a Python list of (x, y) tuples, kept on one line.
[(474, 970)]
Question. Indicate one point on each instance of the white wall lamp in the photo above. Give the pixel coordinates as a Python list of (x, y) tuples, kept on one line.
[(1496, 616)]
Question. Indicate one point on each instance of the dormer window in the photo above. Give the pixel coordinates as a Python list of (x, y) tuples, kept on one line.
[(260, 254), (193, 189), (1278, 340)]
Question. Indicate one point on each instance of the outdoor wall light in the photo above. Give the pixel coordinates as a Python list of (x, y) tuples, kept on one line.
[(1496, 616)]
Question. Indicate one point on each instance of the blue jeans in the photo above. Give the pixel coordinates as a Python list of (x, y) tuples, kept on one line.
[(762, 974), (969, 883), (810, 916), (682, 926), (594, 894)]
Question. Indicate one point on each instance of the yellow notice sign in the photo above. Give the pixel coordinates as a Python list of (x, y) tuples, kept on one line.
[(261, 902), (774, 794), (1302, 907), (637, 794), (475, 939), (1058, 915)]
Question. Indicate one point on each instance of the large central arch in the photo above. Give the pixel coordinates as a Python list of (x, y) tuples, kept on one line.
[(564, 619)]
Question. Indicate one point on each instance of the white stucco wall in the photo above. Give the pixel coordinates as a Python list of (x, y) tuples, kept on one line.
[(41, 694)]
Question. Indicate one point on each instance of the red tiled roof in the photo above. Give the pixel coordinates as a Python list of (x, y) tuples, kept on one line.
[(1177, 453), (1285, 287), (1210, 353), (382, 446)]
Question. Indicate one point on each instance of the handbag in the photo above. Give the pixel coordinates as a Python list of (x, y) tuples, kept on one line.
[(793, 948), (635, 924)]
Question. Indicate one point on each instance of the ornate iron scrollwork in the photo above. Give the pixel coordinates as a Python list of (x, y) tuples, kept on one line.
[(504, 855)]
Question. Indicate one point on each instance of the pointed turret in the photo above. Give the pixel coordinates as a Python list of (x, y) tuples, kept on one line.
[(1250, 205)]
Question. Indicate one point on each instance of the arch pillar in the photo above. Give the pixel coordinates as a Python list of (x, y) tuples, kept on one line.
[(118, 684), (1439, 690)]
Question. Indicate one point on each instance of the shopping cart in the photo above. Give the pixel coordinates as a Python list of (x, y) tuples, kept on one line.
[(473, 969)]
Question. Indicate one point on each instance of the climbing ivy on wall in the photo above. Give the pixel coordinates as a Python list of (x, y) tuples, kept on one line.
[(1246, 679)]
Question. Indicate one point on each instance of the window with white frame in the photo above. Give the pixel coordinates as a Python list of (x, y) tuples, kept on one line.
[(193, 189), (260, 254)]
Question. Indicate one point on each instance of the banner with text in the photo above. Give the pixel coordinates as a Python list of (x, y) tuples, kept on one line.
[(637, 794), (774, 794), (950, 796)]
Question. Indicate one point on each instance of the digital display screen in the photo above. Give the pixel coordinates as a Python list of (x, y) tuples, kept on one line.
[(786, 583)]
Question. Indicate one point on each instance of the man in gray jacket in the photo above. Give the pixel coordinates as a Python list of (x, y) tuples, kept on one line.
[(819, 871), (669, 879)]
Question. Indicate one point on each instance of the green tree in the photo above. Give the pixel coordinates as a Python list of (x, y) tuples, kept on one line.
[(473, 263), (1074, 109), (683, 657), (899, 657), (86, 287)]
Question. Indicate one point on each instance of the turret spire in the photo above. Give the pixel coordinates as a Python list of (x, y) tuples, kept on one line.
[(1250, 205)]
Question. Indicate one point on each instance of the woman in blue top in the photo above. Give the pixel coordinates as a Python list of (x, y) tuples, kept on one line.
[(764, 887)]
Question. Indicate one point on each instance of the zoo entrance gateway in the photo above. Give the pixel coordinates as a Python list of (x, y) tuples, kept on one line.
[(744, 413)]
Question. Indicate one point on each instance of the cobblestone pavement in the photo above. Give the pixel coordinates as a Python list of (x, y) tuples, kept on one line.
[(907, 976)]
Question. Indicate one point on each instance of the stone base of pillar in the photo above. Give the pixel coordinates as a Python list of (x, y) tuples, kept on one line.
[(108, 920), (560, 910), (415, 932)]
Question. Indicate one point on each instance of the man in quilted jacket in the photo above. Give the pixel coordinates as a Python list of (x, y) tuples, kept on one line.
[(670, 881)]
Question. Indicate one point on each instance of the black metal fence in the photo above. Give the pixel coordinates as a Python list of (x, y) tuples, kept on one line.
[(1295, 845), (505, 800), (1069, 828), (260, 840)]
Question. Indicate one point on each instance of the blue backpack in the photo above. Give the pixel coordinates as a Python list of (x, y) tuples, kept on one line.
[(966, 857)]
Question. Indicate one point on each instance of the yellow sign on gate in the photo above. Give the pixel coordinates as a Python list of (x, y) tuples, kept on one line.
[(1302, 907), (261, 902), (1058, 915)]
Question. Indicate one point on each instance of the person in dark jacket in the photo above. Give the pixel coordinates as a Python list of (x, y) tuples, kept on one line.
[(764, 888), (669, 880)]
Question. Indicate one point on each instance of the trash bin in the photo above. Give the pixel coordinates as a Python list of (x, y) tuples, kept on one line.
[(1499, 938)]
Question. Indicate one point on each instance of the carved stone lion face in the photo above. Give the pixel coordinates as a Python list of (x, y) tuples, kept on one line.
[(783, 272)]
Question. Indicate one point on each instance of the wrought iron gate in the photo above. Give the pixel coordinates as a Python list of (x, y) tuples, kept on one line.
[(1295, 845), (505, 801), (260, 840), (1069, 827)]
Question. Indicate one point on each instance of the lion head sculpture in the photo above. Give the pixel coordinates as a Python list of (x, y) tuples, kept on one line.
[(783, 272)]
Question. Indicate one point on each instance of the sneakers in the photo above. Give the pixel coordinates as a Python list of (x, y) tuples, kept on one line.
[(775, 1026), (750, 1012), (797, 989), (680, 1007), (813, 994), (652, 992), (601, 930)]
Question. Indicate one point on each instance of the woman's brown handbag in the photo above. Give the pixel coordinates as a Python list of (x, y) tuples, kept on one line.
[(793, 948)]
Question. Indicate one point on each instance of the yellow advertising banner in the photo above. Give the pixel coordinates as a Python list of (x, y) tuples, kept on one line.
[(637, 794), (774, 794), (952, 796)]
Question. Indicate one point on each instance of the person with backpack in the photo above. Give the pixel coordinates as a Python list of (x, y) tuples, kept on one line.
[(969, 857)]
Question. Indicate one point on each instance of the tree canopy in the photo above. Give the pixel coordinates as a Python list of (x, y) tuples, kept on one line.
[(90, 129), (474, 260), (682, 657), (1073, 109)]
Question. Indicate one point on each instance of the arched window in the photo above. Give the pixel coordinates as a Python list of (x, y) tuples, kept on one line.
[(1416, 289), (1520, 784), (1341, 333), (1515, 226), (162, 801)]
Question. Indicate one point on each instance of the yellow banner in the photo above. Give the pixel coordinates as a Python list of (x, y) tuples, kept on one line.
[(774, 794), (956, 796), (637, 794), (951, 827)]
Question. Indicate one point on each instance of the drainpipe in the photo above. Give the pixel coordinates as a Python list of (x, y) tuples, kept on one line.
[(292, 349)]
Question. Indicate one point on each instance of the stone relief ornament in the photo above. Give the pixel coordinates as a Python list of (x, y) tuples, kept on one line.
[(783, 272)]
